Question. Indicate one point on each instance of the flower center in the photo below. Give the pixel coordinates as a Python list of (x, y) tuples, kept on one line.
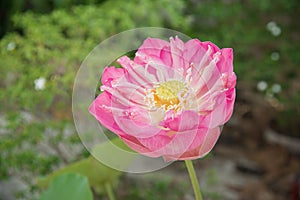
[(169, 94)]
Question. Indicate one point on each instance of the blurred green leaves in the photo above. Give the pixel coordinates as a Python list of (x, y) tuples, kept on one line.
[(99, 175), (68, 187), (53, 46)]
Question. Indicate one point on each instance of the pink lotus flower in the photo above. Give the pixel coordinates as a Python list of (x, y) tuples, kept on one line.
[(170, 100)]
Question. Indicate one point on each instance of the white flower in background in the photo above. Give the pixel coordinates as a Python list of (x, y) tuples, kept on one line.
[(274, 28), (262, 85), (11, 46), (270, 25), (40, 83), (276, 31), (275, 56), (276, 88)]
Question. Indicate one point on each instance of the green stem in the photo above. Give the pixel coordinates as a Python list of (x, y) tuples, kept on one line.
[(194, 180), (109, 191)]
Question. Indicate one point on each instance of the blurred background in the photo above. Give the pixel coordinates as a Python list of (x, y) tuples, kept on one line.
[(44, 42)]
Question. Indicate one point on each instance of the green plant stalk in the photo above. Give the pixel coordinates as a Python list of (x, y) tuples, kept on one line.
[(194, 180), (109, 191)]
